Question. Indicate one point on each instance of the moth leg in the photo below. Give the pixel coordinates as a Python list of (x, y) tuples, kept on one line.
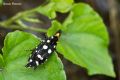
[(56, 51), (44, 36), (35, 67), (29, 50)]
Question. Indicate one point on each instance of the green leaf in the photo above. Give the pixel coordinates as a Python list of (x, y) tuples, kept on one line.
[(1, 62), (15, 57), (66, 5), (32, 20), (1, 1), (47, 10), (84, 41), (1, 76), (55, 27), (55, 5)]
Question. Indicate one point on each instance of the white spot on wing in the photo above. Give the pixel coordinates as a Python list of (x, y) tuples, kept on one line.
[(49, 51), (54, 46), (43, 40), (36, 47), (48, 41), (37, 63), (30, 60), (40, 57), (46, 60), (45, 47), (52, 37)]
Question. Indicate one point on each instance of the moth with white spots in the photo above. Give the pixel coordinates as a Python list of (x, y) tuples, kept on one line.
[(42, 52)]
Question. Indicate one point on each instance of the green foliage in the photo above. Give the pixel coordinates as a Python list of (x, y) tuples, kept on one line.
[(84, 41), (15, 58), (55, 5), (66, 5), (52, 30), (1, 1), (1, 62)]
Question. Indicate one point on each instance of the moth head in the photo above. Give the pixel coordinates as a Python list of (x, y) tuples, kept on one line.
[(58, 33)]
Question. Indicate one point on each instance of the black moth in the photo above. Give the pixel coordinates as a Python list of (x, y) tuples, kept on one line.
[(41, 53)]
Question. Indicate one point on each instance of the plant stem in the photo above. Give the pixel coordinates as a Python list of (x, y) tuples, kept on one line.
[(9, 23), (24, 28)]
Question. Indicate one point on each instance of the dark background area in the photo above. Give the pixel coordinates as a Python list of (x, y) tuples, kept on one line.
[(109, 10)]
